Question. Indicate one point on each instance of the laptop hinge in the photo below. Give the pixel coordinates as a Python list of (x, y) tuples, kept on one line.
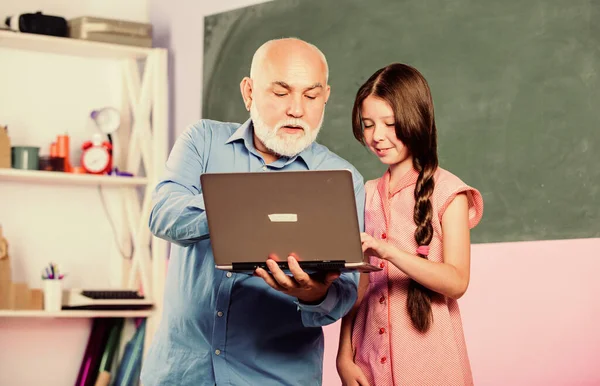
[(329, 265), (247, 267)]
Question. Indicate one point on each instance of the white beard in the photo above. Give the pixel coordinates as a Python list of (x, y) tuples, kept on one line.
[(284, 144)]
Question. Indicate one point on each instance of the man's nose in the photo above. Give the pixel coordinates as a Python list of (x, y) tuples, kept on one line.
[(296, 107)]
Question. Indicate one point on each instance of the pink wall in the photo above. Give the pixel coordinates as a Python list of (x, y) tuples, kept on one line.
[(529, 318), (529, 315)]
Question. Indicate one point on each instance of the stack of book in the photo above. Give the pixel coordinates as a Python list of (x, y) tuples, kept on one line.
[(100, 365)]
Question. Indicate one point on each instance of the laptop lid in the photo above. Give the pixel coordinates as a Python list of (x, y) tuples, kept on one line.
[(311, 214)]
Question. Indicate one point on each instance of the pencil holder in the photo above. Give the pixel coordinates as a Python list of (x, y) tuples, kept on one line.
[(52, 295)]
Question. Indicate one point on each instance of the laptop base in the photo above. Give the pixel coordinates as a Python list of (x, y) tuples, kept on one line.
[(310, 267)]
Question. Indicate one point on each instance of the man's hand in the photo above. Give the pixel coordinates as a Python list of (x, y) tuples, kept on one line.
[(306, 288)]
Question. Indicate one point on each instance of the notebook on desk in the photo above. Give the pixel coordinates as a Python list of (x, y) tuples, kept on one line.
[(310, 214)]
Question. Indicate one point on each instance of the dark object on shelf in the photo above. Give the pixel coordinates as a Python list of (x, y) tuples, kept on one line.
[(52, 164), (37, 23)]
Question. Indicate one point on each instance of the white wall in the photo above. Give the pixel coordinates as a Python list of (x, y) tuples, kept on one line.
[(42, 96), (132, 10), (179, 26)]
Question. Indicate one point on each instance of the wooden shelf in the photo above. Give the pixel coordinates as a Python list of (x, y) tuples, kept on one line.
[(70, 46), (74, 314), (59, 178)]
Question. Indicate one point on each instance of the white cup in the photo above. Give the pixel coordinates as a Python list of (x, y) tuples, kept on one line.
[(52, 295)]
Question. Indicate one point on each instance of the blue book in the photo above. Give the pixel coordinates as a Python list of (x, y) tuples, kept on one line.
[(128, 372)]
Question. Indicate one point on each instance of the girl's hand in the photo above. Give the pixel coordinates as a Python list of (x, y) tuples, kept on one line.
[(350, 373), (373, 247)]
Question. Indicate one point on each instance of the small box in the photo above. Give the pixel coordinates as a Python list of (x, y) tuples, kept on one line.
[(36, 299), (111, 31), (5, 284), (5, 157), (22, 296)]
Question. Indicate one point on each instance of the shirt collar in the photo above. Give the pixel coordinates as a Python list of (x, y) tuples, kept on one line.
[(408, 179), (245, 133)]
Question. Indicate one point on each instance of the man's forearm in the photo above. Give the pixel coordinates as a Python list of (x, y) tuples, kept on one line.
[(339, 300), (178, 216)]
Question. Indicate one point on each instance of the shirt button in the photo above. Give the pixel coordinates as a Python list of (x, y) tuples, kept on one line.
[(219, 314), (381, 330), (382, 299), (383, 359), (228, 274), (264, 168), (383, 236), (381, 265), (218, 352)]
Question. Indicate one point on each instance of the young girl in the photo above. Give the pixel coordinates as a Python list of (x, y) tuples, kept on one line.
[(405, 328)]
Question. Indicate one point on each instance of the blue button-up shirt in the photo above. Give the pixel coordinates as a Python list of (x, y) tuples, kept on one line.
[(225, 328)]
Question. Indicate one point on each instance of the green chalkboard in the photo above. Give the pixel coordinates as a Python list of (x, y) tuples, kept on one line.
[(515, 83)]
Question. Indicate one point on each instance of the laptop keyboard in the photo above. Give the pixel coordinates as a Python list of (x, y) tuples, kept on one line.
[(112, 295)]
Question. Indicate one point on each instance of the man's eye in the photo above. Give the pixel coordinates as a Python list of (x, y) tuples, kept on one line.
[(311, 97), (280, 94)]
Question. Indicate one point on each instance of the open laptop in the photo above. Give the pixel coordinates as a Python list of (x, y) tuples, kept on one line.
[(311, 214)]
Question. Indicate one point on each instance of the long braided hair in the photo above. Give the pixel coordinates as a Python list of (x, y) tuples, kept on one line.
[(408, 93)]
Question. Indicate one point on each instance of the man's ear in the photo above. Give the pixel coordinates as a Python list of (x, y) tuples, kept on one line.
[(327, 93), (246, 89)]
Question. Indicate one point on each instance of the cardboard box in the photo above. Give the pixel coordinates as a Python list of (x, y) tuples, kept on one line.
[(22, 296), (111, 31), (36, 299), (5, 284), (5, 161)]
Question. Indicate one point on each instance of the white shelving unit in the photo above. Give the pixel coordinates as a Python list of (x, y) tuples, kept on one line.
[(55, 178), (74, 47), (146, 140), (75, 314)]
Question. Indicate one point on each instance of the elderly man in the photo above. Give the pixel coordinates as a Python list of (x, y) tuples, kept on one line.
[(222, 328)]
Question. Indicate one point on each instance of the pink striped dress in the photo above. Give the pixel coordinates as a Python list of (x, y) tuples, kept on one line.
[(389, 350)]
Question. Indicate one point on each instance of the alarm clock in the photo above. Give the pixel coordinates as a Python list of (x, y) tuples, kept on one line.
[(96, 156)]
